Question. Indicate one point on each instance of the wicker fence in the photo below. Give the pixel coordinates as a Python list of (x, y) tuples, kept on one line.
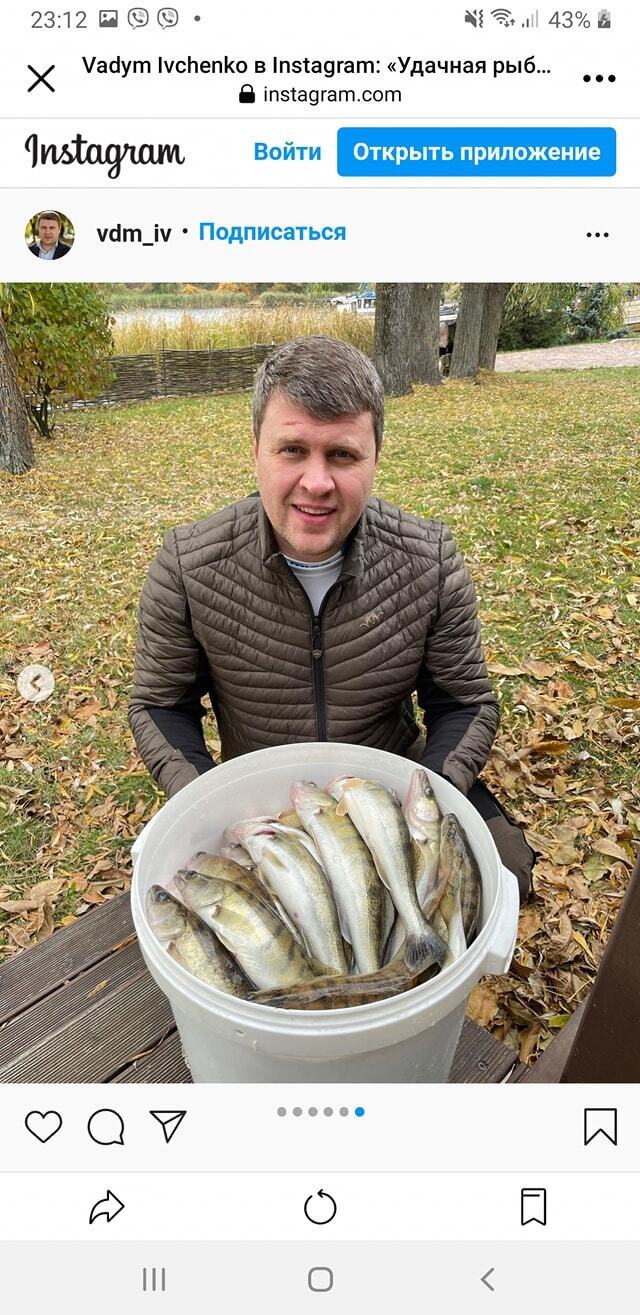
[(179, 374)]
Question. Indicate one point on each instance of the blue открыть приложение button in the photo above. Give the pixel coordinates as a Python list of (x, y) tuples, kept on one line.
[(476, 152)]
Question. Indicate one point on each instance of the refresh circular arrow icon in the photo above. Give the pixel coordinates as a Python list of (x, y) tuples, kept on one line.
[(324, 1209)]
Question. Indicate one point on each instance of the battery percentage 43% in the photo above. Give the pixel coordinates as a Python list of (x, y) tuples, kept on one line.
[(570, 18)]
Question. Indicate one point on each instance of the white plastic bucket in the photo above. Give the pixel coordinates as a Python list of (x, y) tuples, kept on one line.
[(409, 1038)]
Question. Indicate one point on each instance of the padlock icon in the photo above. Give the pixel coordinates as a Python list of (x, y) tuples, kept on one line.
[(247, 94)]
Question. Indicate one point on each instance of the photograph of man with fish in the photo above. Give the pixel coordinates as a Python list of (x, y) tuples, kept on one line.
[(371, 840)]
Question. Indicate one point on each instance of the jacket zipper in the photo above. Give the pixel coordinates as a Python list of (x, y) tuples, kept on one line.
[(317, 656)]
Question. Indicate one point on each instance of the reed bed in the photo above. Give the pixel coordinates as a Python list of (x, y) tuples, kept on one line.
[(145, 333)]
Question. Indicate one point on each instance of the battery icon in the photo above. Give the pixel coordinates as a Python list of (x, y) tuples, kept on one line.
[(604, 18)]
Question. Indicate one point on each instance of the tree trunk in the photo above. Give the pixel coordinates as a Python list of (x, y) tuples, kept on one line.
[(390, 354), (16, 448), (496, 296), (466, 346), (424, 333)]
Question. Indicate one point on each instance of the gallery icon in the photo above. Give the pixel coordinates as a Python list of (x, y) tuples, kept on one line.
[(108, 18), (533, 1206)]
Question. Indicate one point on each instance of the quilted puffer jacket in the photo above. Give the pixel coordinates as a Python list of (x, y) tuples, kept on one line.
[(222, 613)]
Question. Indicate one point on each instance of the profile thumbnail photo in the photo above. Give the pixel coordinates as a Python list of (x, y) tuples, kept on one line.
[(49, 235), (320, 680)]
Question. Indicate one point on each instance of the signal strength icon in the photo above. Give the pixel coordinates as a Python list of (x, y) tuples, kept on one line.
[(503, 16), (533, 20)]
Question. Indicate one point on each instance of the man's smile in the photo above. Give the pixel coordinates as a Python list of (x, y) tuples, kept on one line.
[(313, 513)]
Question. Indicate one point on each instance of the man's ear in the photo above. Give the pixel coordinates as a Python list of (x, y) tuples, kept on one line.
[(255, 448)]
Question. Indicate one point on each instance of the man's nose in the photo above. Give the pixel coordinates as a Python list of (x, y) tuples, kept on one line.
[(317, 478)]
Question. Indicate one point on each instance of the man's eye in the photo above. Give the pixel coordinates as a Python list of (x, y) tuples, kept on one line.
[(342, 452)]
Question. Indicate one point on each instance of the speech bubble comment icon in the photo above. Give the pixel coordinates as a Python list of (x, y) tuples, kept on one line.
[(167, 17), (106, 1127), (138, 17)]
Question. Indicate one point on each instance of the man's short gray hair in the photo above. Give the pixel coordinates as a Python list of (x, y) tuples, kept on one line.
[(325, 377)]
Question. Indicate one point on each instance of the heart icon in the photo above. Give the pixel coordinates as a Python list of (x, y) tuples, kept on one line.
[(43, 1126)]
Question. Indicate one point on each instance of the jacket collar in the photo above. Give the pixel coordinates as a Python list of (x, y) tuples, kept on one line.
[(354, 556)]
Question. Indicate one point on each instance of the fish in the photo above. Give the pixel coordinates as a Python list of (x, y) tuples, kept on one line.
[(423, 818), (191, 944), (289, 818), (424, 821), (350, 991), (298, 881), (250, 929), (227, 869), (238, 854), (217, 865), (275, 824), (377, 815), (470, 879), (460, 904), (359, 893)]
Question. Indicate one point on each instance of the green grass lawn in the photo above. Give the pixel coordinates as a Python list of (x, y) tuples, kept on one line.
[(537, 474)]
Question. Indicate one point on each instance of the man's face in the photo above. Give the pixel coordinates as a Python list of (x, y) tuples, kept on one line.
[(314, 476), (48, 232)]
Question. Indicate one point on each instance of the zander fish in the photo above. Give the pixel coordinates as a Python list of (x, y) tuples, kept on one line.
[(460, 904), (348, 992), (250, 929), (228, 869), (359, 893), (191, 944), (423, 818), (377, 815), (424, 821), (297, 880)]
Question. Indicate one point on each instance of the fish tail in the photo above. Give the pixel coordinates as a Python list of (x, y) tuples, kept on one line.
[(421, 947)]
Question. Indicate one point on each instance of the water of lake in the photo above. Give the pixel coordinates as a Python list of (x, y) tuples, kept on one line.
[(172, 315)]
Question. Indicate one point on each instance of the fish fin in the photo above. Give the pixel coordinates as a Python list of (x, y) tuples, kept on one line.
[(418, 950), (341, 807), (438, 947)]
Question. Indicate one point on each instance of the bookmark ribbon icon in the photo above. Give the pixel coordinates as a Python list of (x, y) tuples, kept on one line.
[(533, 1205)]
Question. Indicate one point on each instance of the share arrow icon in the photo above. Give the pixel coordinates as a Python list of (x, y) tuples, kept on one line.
[(169, 1121), (107, 1208)]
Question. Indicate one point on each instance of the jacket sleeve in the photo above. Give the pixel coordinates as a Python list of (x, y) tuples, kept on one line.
[(165, 711), (460, 708)]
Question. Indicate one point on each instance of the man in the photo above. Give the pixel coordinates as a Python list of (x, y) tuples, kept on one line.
[(312, 611), (49, 246)]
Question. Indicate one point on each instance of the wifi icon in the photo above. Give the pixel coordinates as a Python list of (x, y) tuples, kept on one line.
[(503, 16)]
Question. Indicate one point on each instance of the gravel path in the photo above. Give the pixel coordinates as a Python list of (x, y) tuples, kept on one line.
[(582, 356)]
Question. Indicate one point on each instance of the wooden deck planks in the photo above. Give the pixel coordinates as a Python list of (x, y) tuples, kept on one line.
[(479, 1057), (36, 972)]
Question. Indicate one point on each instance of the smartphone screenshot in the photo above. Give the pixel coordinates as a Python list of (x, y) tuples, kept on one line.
[(319, 657)]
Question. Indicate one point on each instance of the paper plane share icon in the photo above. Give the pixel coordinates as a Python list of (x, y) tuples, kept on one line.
[(169, 1121)]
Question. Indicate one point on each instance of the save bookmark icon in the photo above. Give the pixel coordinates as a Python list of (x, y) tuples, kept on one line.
[(169, 1121)]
